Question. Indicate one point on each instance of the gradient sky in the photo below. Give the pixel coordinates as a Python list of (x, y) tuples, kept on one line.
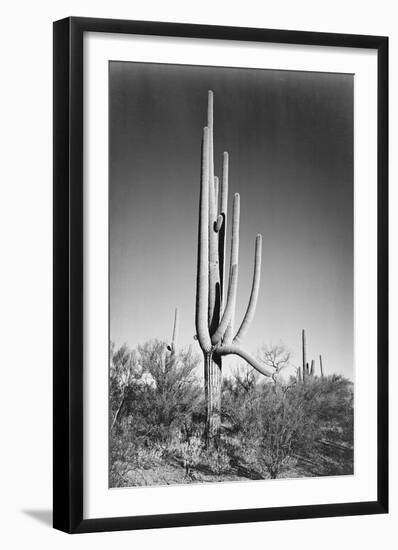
[(290, 139)]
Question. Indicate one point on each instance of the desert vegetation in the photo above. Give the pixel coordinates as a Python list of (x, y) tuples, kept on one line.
[(267, 431)]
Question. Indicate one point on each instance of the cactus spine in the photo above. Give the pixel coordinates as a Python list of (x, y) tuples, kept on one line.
[(215, 302)]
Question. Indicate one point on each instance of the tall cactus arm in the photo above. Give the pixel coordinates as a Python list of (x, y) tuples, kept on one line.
[(235, 349), (224, 193), (223, 230), (210, 125), (226, 317), (202, 281), (224, 184), (234, 261), (214, 270), (216, 188), (251, 308)]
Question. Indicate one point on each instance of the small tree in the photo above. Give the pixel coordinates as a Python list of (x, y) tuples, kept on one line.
[(276, 357), (174, 392), (285, 374)]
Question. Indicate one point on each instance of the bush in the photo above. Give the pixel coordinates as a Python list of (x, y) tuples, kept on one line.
[(190, 451), (174, 395), (217, 460), (129, 457), (153, 395), (277, 428)]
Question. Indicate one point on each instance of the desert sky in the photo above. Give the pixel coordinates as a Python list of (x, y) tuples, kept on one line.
[(290, 140)]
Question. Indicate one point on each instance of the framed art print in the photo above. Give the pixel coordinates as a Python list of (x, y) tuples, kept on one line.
[(220, 275)]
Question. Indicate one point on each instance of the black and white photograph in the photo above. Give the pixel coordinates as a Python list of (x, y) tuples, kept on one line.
[(231, 347), (196, 275)]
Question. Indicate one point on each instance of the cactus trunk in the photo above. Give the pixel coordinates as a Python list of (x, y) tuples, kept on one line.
[(213, 376)]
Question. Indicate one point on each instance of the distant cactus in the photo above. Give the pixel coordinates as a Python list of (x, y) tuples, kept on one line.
[(321, 365), (215, 308), (304, 350), (172, 347), (307, 370)]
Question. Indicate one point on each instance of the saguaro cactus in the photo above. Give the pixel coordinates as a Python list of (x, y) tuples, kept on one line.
[(321, 365), (172, 347), (215, 308), (307, 370), (304, 350)]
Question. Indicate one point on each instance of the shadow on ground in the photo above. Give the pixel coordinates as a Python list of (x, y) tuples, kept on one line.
[(42, 516)]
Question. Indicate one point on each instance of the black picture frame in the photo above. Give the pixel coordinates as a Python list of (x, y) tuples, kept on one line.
[(68, 274)]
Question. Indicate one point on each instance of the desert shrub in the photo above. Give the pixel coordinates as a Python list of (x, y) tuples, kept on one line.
[(153, 390), (132, 455), (332, 400), (124, 375), (154, 395), (311, 420), (274, 430), (239, 401), (190, 451), (174, 395), (216, 459)]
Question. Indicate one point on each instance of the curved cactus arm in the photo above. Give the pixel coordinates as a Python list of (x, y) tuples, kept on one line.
[(226, 317), (234, 261), (235, 349), (251, 308), (202, 281)]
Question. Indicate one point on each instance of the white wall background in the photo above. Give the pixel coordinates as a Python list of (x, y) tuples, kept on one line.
[(25, 273)]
